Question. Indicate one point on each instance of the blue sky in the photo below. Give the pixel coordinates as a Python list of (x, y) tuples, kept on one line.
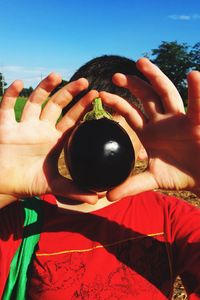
[(38, 37)]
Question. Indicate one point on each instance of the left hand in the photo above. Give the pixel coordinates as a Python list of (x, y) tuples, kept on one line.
[(170, 136), (29, 149)]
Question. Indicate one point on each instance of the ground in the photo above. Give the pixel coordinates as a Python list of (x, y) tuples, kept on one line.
[(179, 292)]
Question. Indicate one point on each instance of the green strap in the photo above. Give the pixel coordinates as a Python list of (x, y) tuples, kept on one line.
[(16, 284)]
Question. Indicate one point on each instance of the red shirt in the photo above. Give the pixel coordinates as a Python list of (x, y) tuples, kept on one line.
[(132, 249)]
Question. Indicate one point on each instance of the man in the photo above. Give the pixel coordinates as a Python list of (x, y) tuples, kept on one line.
[(126, 243)]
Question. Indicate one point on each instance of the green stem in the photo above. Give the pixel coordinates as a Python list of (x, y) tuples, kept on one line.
[(97, 112)]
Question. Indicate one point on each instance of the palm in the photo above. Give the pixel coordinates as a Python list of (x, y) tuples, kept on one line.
[(31, 142), (170, 152)]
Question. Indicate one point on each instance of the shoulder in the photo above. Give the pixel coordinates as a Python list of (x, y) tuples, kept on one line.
[(158, 200), (154, 208)]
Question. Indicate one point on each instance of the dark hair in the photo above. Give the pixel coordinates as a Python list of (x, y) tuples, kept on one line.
[(99, 72)]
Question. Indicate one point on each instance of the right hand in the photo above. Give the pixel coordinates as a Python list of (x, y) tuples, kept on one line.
[(29, 149), (170, 136)]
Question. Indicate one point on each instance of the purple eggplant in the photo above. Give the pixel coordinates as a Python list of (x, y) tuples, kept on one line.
[(99, 153)]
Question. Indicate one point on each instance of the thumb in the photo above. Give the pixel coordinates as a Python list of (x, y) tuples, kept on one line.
[(133, 185)]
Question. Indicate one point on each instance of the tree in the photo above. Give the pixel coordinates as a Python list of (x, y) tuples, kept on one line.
[(195, 56), (2, 84), (26, 92), (175, 61)]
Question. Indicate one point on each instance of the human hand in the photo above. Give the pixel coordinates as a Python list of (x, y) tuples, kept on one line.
[(170, 136), (29, 149)]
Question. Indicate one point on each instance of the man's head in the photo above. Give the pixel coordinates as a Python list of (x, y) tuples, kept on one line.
[(99, 72)]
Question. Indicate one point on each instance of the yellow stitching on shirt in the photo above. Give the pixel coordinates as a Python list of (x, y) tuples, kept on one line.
[(98, 246)]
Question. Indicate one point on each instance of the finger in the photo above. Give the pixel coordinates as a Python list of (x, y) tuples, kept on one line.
[(171, 99), (66, 188), (133, 116), (33, 106), (8, 101), (58, 101), (76, 112), (193, 110), (11, 94), (142, 90), (133, 186)]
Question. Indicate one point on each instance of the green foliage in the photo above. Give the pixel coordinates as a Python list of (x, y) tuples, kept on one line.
[(176, 60), (2, 83), (19, 105), (26, 92), (195, 56)]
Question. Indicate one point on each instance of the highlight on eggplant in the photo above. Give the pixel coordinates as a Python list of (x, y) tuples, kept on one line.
[(99, 153)]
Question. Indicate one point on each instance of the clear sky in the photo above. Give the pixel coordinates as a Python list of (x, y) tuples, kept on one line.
[(41, 36)]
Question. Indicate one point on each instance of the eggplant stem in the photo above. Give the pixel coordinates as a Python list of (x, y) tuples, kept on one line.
[(98, 112)]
